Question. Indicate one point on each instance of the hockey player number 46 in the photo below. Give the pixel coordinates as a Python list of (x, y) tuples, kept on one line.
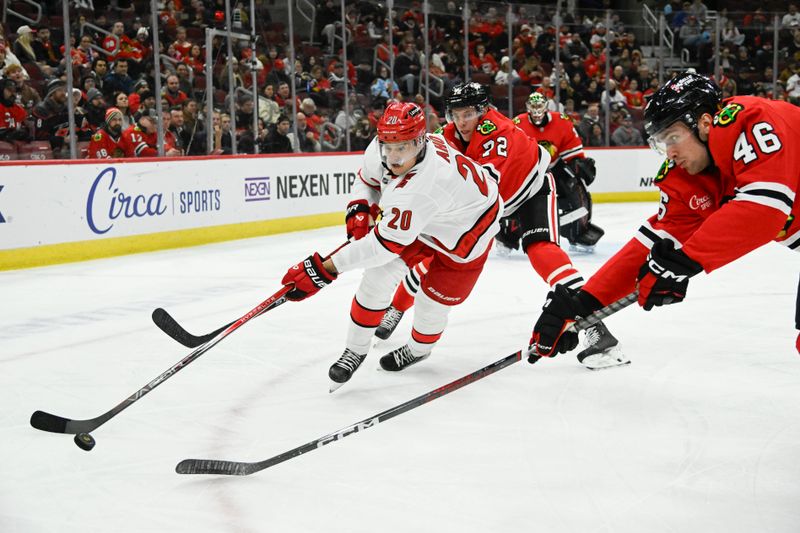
[(767, 143)]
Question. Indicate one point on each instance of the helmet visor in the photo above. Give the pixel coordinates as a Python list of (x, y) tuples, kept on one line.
[(674, 134), (462, 114), (399, 153)]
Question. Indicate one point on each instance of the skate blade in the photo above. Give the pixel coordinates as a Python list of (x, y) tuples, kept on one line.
[(608, 359), (334, 386)]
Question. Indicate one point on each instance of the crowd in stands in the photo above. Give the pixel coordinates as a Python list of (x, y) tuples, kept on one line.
[(114, 75)]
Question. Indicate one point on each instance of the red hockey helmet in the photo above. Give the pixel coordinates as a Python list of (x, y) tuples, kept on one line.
[(401, 121), (401, 135)]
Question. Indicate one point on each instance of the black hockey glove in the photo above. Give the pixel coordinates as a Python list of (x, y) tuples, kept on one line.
[(664, 278), (584, 168), (509, 232), (551, 334)]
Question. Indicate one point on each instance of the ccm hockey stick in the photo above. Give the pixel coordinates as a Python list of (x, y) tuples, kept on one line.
[(57, 424), (237, 468), (170, 326)]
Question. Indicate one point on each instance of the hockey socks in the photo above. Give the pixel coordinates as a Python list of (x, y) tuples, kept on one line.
[(553, 265)]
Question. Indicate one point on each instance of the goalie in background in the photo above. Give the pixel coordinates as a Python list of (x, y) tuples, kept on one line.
[(572, 170)]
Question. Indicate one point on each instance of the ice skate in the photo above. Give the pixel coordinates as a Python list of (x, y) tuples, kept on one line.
[(391, 318), (400, 358), (342, 370), (601, 349), (584, 243)]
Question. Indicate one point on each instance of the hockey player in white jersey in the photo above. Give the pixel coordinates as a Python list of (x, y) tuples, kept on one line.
[(436, 203)]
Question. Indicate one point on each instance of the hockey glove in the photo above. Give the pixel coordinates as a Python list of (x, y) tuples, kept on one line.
[(551, 334), (359, 218), (308, 277), (509, 232), (664, 278)]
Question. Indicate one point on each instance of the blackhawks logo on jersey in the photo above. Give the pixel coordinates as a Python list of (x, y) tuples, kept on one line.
[(550, 147), (487, 126), (666, 166), (782, 233), (97, 136), (727, 115), (439, 130), (515, 120)]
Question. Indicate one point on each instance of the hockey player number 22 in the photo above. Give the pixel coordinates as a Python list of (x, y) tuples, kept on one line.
[(468, 170), (767, 143)]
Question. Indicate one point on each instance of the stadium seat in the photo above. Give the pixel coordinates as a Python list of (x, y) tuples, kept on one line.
[(7, 151), (36, 150)]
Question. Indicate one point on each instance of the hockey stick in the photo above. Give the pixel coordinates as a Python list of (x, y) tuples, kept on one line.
[(57, 424), (237, 468), (170, 326)]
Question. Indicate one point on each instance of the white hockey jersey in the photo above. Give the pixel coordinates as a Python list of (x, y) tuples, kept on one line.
[(447, 201)]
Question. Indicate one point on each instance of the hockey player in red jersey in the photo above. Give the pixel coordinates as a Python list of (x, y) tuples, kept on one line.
[(728, 187), (529, 194), (572, 170), (105, 143), (437, 203)]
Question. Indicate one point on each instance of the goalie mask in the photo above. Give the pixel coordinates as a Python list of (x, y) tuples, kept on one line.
[(537, 107), (401, 134)]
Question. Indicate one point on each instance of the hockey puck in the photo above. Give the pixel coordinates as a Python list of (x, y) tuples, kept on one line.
[(84, 441)]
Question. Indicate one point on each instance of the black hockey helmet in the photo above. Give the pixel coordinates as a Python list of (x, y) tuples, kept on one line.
[(469, 94), (683, 98)]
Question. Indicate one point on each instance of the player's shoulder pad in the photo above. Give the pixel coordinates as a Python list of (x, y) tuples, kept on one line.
[(97, 136), (666, 166), (727, 115), (486, 127), (516, 120)]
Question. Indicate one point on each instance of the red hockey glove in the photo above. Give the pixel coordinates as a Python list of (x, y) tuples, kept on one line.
[(359, 218), (551, 334), (308, 277), (664, 278)]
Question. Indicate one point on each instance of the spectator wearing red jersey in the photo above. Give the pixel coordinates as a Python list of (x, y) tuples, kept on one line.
[(634, 96), (313, 120), (172, 92), (482, 61), (182, 45), (105, 143), (196, 61), (12, 115)]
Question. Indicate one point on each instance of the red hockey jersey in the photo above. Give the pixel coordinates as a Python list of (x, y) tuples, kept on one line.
[(688, 204), (556, 134), (510, 156), (104, 146)]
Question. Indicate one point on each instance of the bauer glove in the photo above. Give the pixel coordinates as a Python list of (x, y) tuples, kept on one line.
[(308, 277)]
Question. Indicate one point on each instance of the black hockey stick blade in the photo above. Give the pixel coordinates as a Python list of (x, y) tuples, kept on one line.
[(170, 326), (58, 424)]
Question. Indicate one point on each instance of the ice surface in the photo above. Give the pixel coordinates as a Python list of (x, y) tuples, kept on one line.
[(700, 433)]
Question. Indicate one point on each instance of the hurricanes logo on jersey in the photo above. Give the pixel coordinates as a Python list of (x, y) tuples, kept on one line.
[(666, 166), (550, 147), (727, 115), (487, 126)]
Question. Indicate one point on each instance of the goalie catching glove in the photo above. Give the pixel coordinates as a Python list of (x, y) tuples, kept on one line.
[(308, 277), (552, 334), (664, 278)]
